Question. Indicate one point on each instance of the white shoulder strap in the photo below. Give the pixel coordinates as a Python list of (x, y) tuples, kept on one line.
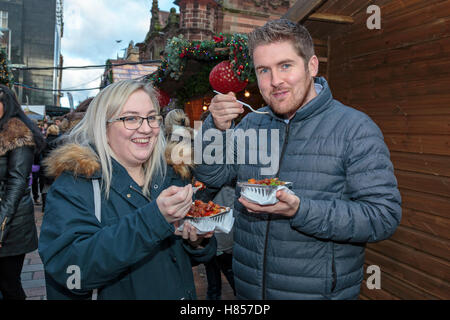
[(98, 215), (97, 200)]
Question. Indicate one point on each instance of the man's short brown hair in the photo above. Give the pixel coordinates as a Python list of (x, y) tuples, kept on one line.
[(283, 30)]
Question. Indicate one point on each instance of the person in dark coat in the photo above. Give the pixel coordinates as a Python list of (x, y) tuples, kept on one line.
[(179, 153), (36, 183), (310, 244), (135, 251), (51, 144), (20, 140), (222, 262)]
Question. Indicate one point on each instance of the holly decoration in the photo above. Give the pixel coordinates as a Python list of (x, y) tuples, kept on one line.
[(240, 59), (221, 47), (223, 79), (6, 76)]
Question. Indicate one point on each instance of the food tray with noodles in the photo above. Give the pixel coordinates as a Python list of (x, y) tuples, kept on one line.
[(209, 216), (264, 191)]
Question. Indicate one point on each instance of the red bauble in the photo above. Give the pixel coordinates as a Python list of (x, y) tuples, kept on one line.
[(163, 98), (223, 79)]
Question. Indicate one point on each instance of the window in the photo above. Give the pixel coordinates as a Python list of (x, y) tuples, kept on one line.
[(5, 33), (4, 19)]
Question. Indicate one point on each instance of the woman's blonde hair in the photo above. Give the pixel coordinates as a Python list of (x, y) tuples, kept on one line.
[(91, 130)]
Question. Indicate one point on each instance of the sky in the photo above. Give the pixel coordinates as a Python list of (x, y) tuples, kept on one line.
[(92, 29)]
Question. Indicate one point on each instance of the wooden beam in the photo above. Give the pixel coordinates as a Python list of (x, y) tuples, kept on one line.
[(320, 43), (328, 56), (328, 17), (302, 9)]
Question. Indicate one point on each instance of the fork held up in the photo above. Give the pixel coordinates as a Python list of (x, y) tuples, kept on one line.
[(224, 109), (245, 104)]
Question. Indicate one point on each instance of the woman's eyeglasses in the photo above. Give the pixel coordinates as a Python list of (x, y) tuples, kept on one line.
[(135, 122)]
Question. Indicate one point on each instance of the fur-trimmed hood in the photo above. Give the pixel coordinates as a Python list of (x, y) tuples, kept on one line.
[(81, 160), (15, 134), (72, 157)]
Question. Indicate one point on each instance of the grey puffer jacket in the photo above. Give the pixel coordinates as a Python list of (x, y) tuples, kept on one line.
[(341, 171)]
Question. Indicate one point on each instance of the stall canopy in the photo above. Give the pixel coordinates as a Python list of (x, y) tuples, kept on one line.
[(38, 112), (34, 112), (55, 111)]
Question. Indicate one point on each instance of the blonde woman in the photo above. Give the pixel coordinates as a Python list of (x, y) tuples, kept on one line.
[(134, 252)]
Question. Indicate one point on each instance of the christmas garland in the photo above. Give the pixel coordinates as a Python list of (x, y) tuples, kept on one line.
[(240, 60), (179, 50), (6, 76)]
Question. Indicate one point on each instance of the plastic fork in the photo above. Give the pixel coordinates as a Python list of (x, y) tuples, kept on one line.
[(245, 104)]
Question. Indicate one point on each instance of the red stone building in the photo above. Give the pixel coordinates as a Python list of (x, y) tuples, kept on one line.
[(202, 19)]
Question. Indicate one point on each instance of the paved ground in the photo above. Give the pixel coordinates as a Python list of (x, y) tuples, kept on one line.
[(33, 270), (34, 284)]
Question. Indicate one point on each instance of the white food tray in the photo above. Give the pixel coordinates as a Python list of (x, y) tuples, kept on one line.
[(221, 222), (262, 194)]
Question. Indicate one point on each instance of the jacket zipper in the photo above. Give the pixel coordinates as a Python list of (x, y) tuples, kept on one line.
[(333, 270), (3, 229), (266, 240), (138, 191)]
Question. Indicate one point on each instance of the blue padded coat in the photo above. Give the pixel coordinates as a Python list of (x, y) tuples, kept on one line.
[(341, 171), (131, 255)]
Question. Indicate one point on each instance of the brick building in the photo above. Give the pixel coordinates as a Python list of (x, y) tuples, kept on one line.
[(200, 20)]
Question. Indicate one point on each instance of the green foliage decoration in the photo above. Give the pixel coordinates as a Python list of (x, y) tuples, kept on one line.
[(209, 52), (6, 75)]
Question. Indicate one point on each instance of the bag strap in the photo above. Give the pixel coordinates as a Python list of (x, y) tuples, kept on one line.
[(98, 215)]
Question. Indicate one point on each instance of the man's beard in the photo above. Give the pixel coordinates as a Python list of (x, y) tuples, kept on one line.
[(294, 105)]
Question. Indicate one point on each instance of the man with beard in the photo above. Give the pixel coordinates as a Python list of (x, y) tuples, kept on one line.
[(310, 244)]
